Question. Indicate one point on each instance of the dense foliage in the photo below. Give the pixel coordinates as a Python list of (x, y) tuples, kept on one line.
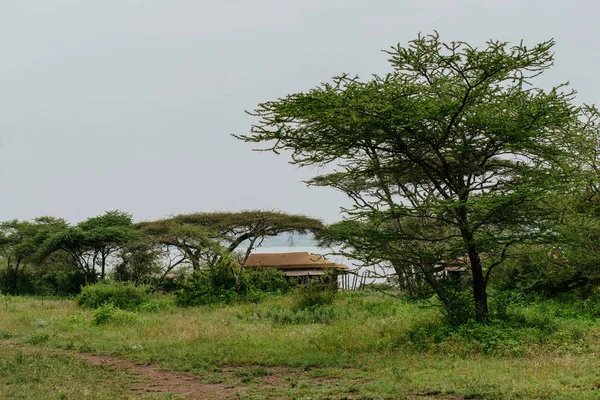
[(453, 155), (123, 295), (219, 285)]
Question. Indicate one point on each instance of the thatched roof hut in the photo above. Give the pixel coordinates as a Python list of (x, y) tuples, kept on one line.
[(293, 264)]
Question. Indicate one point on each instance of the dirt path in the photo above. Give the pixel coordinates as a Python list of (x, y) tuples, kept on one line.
[(156, 380)]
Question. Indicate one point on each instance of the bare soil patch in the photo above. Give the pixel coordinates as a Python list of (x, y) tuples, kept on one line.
[(157, 380), (153, 379)]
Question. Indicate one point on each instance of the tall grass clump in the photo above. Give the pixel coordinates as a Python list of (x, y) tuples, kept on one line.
[(308, 303), (123, 295), (287, 316), (109, 314)]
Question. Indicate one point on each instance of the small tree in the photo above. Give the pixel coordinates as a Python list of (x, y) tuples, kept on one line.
[(181, 243), (19, 244), (91, 243), (455, 136), (15, 237), (140, 263)]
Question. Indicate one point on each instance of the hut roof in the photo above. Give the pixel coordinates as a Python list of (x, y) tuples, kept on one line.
[(296, 260)]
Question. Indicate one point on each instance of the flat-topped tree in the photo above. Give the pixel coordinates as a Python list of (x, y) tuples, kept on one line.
[(204, 238), (182, 243), (91, 243), (20, 242), (252, 225), (454, 134)]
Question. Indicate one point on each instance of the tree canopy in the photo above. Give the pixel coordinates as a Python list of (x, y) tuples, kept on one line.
[(455, 139), (202, 239), (92, 242), (20, 243)]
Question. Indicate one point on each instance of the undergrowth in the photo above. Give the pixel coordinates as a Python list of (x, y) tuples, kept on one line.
[(123, 295), (516, 326), (287, 316), (109, 314)]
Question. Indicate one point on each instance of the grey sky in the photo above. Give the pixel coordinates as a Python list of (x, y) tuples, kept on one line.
[(130, 104)]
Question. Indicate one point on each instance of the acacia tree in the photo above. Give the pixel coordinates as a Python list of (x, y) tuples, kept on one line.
[(19, 243), (141, 262), (14, 248), (179, 243), (204, 239), (91, 243), (455, 135), (230, 230)]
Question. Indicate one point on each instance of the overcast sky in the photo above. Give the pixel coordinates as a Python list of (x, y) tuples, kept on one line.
[(130, 104)]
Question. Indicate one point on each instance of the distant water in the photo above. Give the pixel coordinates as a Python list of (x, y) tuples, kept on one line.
[(290, 241)]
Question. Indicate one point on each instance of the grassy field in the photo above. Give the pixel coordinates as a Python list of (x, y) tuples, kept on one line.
[(365, 346), (29, 373)]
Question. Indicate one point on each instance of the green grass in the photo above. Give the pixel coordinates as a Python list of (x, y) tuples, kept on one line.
[(37, 374), (365, 346)]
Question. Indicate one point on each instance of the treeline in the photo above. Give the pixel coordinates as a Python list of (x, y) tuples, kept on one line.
[(49, 255)]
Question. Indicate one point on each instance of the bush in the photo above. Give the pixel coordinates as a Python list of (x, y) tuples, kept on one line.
[(60, 282), (16, 283), (203, 288), (217, 285), (316, 293), (515, 327), (121, 295), (109, 314), (501, 302), (268, 280), (456, 302)]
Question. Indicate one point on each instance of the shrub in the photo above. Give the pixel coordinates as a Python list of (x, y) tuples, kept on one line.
[(514, 327), (201, 289), (217, 285), (60, 281), (269, 280), (456, 303), (123, 295), (13, 283), (55, 280), (501, 303), (109, 314), (316, 293)]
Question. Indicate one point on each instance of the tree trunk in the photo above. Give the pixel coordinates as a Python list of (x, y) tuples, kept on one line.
[(238, 276), (479, 286), (103, 266)]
